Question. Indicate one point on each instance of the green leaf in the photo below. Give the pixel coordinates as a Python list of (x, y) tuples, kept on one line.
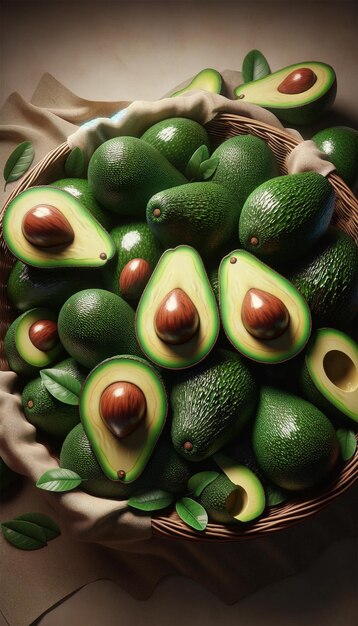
[(24, 535), (208, 167), (75, 163), (50, 528), (254, 66), (193, 167), (192, 513), (19, 162), (61, 385), (151, 500), (274, 495), (347, 443), (198, 482), (59, 479)]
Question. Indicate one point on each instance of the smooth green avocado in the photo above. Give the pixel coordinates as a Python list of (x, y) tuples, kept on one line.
[(207, 79), (340, 144)]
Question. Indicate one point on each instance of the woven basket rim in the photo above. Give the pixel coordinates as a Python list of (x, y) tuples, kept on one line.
[(276, 518)]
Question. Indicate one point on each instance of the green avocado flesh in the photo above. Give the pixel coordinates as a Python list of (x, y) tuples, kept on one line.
[(297, 108), (235, 280), (23, 357), (207, 80), (251, 500), (178, 268), (123, 459), (330, 375), (91, 246)]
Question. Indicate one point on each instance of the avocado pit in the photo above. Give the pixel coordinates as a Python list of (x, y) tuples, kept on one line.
[(177, 319), (264, 315), (134, 277), (43, 334), (122, 408), (298, 81), (45, 226)]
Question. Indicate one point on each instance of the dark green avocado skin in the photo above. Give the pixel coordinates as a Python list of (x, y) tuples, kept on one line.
[(328, 279)]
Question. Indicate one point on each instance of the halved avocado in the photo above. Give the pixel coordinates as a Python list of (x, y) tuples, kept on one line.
[(207, 80), (177, 320), (330, 374), (123, 458), (297, 93), (47, 227), (32, 342), (250, 501), (242, 274)]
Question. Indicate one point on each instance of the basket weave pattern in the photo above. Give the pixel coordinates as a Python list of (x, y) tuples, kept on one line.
[(345, 217)]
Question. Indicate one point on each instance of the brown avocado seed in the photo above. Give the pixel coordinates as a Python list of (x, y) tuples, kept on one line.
[(134, 277), (264, 315), (298, 81), (44, 226), (177, 319), (122, 407), (43, 334)]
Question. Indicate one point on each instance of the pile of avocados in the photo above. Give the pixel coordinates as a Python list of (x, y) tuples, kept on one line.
[(186, 332)]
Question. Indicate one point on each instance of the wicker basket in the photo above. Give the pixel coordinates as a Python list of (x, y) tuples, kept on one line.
[(345, 217)]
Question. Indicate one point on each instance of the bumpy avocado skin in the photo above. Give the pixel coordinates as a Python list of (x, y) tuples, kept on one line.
[(328, 279), (213, 498), (211, 404), (79, 188)]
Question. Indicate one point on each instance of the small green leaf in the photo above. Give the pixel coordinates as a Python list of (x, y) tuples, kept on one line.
[(254, 66), (192, 171), (50, 528), (75, 163), (192, 513), (347, 443), (19, 162), (24, 535), (274, 495), (208, 167), (198, 482), (61, 385), (59, 479), (151, 500)]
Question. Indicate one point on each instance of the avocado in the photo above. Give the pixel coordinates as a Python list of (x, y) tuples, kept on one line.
[(44, 411), (207, 80), (29, 287), (211, 404), (95, 324), (245, 161), (251, 499), (298, 93), (79, 188), (32, 341), (177, 320), (123, 408), (204, 215), (327, 278), (124, 172), (263, 315), (47, 227), (295, 444), (340, 144), (177, 138), (329, 377), (138, 252), (221, 500), (284, 217)]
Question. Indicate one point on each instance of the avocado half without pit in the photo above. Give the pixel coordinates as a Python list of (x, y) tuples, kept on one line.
[(123, 408), (263, 315), (47, 227)]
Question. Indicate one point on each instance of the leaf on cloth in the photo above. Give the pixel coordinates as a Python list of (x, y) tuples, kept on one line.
[(59, 479), (24, 535), (192, 513), (153, 500), (50, 528), (347, 443), (254, 66), (75, 163), (61, 385), (18, 162)]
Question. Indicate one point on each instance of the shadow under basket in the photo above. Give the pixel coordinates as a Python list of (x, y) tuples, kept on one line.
[(345, 217)]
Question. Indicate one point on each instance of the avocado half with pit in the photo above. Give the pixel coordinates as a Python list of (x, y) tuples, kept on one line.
[(32, 341), (177, 320), (330, 373), (263, 314), (250, 498), (123, 408), (47, 227), (298, 93)]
